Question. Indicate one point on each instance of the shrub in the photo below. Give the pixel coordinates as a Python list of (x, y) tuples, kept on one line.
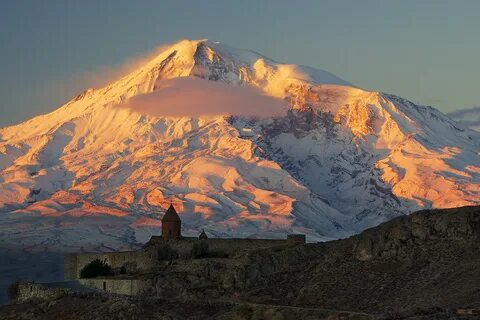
[(165, 252), (96, 268), (12, 291), (199, 250)]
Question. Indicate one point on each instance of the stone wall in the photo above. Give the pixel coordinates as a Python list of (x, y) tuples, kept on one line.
[(146, 259), (70, 266), (130, 287), (133, 261), (30, 290), (37, 291), (226, 246)]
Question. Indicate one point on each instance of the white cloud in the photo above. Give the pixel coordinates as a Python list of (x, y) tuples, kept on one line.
[(195, 97)]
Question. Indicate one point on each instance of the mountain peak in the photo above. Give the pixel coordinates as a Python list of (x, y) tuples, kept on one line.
[(366, 153), (216, 61)]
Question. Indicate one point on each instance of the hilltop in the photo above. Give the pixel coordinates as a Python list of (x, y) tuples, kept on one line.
[(421, 266)]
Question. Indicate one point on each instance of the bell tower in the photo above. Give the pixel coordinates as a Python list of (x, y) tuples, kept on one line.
[(171, 224)]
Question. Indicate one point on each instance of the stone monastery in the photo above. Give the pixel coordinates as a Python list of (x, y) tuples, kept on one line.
[(130, 270)]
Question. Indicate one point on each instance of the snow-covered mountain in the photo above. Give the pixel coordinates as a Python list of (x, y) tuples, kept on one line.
[(96, 173)]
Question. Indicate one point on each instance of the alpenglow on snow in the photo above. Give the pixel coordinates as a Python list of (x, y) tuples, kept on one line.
[(98, 170)]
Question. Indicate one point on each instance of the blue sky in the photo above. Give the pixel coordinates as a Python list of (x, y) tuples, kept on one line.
[(426, 51)]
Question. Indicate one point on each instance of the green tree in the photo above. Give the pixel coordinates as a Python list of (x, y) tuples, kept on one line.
[(96, 268)]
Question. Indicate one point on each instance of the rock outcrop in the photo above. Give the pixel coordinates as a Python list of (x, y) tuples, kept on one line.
[(400, 236)]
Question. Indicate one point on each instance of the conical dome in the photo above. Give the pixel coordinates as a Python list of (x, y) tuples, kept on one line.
[(171, 215), (203, 235)]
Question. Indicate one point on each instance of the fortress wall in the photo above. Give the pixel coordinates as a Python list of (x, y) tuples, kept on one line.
[(82, 259), (228, 246), (133, 261), (144, 260), (232, 246), (129, 287), (70, 266), (29, 290), (139, 261)]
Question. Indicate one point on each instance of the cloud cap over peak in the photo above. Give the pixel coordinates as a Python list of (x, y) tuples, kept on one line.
[(194, 97)]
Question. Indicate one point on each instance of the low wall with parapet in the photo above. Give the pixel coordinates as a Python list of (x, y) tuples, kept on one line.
[(30, 290), (131, 287), (38, 291)]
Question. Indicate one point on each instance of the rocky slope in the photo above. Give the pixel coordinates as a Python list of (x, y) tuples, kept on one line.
[(96, 173), (424, 261), (120, 308), (423, 266)]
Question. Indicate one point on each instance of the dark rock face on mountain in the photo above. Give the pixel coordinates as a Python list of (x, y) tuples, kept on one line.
[(399, 237), (421, 266), (428, 259)]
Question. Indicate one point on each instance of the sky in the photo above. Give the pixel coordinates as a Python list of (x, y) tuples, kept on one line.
[(424, 50)]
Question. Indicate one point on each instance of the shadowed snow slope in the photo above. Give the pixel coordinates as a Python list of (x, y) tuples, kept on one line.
[(97, 172)]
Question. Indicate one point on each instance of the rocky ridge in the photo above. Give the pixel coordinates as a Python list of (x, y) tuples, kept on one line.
[(421, 266)]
